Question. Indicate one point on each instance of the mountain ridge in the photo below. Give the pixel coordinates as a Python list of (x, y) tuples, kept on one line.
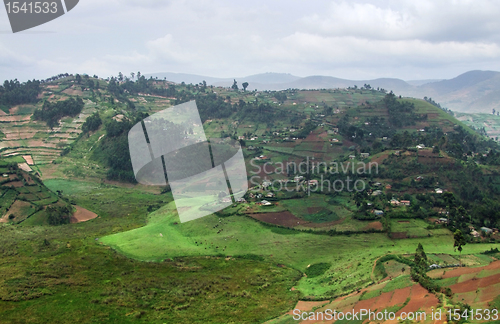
[(472, 91)]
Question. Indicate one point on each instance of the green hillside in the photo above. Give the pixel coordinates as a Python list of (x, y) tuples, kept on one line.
[(418, 164), (26, 200)]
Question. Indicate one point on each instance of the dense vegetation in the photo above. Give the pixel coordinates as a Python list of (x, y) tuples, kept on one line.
[(92, 123), (114, 151), (53, 112), (15, 93)]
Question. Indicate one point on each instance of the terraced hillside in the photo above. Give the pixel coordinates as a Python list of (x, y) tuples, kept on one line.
[(33, 139), (24, 199)]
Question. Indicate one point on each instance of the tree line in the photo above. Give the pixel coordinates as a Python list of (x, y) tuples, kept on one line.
[(15, 93), (53, 112)]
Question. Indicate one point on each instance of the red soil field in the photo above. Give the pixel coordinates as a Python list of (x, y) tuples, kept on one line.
[(461, 271), (15, 184), (15, 118), (380, 158), (312, 138), (374, 225), (399, 235), (28, 159), (28, 179), (286, 219), (82, 215)]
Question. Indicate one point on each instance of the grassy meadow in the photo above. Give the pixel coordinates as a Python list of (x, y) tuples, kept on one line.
[(164, 238)]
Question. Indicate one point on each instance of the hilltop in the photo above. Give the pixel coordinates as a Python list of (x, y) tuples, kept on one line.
[(470, 92)]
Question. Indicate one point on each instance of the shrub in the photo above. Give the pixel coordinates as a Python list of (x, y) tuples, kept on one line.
[(317, 269)]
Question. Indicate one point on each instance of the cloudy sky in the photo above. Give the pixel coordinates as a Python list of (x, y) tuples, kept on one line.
[(422, 39)]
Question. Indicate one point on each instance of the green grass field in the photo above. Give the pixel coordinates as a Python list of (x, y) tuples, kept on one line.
[(136, 263), (242, 235)]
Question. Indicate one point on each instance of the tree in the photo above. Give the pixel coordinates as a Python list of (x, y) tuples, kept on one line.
[(138, 75), (235, 85), (245, 86), (120, 76), (435, 149), (421, 257), (459, 241), (78, 78), (132, 74)]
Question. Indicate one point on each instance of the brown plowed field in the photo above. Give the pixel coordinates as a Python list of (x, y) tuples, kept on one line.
[(420, 298), (82, 215), (374, 225), (286, 219)]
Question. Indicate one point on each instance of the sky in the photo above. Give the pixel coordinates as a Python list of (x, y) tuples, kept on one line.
[(359, 40)]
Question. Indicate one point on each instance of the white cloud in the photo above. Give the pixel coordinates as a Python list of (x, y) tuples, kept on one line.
[(357, 39), (425, 19)]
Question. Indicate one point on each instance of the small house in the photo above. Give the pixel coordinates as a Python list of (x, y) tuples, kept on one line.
[(352, 157), (265, 203), (439, 191), (443, 220), (405, 202), (270, 195), (378, 212), (394, 202), (365, 155), (486, 230)]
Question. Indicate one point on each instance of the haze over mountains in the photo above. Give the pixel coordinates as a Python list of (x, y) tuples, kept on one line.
[(473, 91)]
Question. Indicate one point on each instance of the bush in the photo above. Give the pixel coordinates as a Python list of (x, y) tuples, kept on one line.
[(250, 256), (317, 269)]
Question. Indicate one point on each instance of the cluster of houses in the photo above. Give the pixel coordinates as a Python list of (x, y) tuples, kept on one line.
[(254, 138), (228, 199), (361, 155), (395, 202), (483, 230)]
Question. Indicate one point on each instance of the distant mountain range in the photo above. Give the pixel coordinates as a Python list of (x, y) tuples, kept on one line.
[(473, 91)]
